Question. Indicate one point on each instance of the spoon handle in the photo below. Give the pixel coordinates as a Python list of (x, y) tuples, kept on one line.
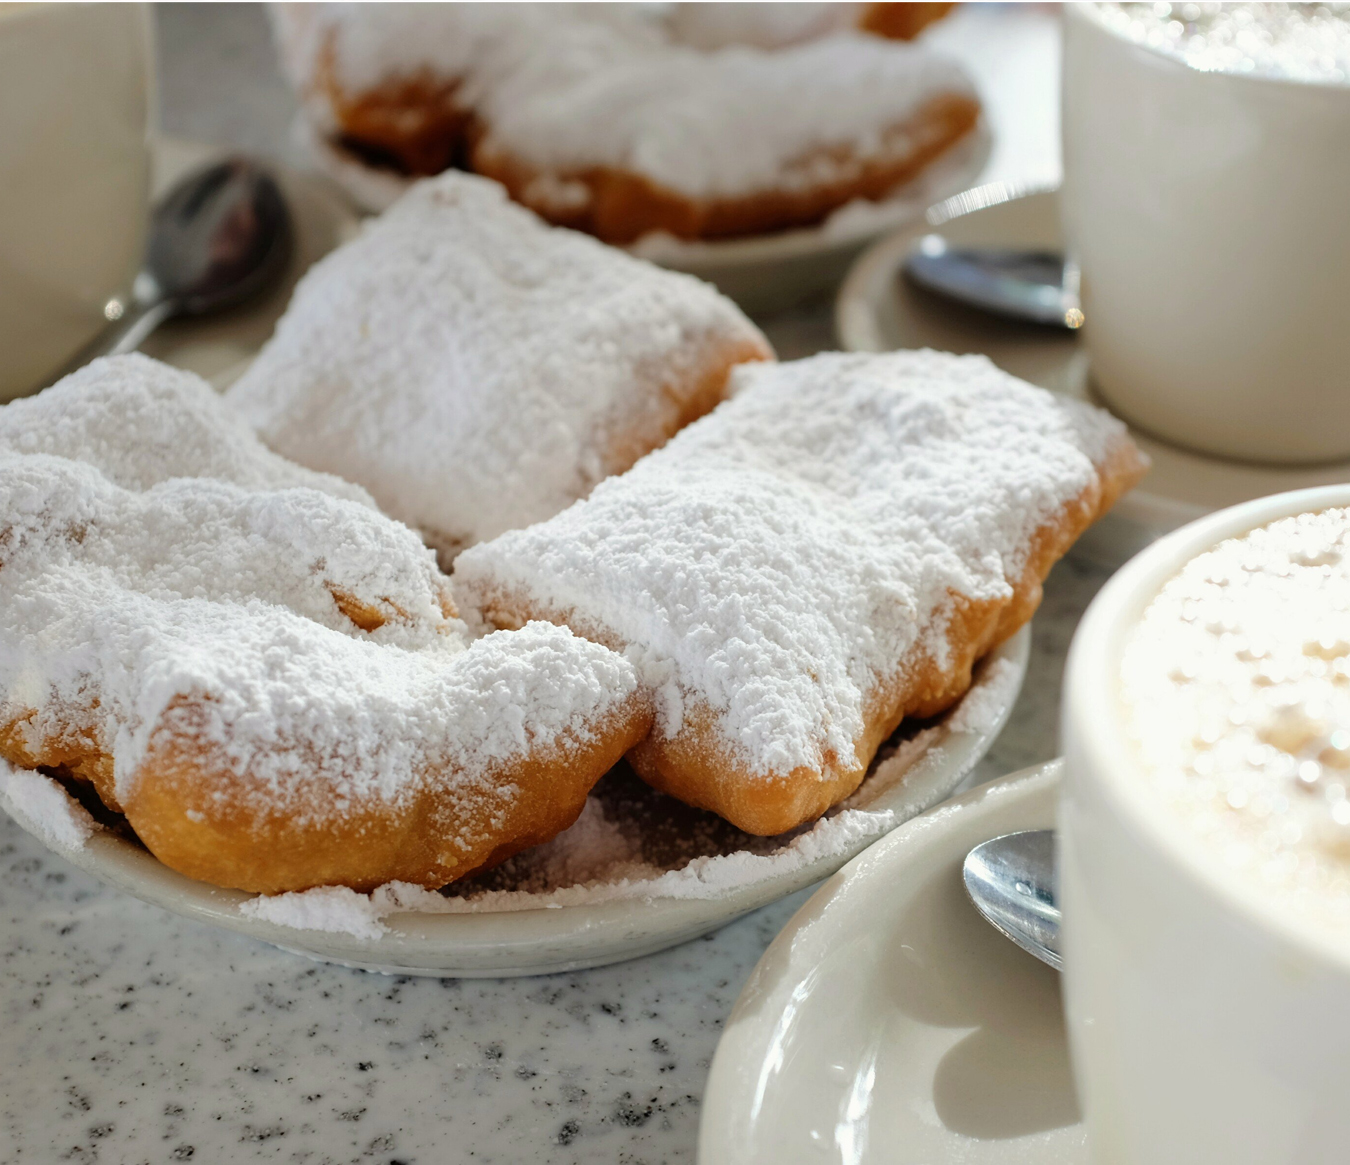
[(134, 328), (125, 334)]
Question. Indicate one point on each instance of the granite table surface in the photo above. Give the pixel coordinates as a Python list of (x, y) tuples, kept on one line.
[(129, 1035)]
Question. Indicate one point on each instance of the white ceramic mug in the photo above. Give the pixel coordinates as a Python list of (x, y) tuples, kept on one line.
[(75, 100), (1210, 215), (1206, 1025)]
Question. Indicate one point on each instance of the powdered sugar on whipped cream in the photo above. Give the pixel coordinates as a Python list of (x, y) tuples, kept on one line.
[(786, 553), (569, 88), (243, 592), (476, 369)]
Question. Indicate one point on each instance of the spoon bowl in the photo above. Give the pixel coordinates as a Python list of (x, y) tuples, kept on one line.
[(1034, 286), (1011, 881), (219, 237)]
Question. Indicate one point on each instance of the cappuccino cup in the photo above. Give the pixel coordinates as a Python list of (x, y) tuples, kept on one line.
[(1206, 201), (75, 100), (1205, 843)]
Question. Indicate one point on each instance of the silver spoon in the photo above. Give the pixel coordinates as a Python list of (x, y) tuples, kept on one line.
[(220, 235), (1011, 880), (1037, 286)]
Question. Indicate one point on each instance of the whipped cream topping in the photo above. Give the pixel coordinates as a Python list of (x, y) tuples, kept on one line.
[(1294, 42), (1236, 693)]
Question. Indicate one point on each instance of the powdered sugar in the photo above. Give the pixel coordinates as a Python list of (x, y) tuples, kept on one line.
[(477, 370), (569, 88), (139, 422), (44, 808), (984, 705), (786, 554), (310, 631), (334, 909)]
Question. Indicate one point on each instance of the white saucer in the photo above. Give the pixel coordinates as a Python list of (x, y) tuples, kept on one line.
[(565, 938), (878, 311), (763, 274), (888, 1022)]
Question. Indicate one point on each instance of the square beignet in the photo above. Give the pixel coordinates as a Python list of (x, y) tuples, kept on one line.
[(829, 551), (264, 673), (477, 370)]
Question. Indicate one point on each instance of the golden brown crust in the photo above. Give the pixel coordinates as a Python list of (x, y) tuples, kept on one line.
[(697, 766), (203, 820), (198, 817), (623, 206), (413, 124)]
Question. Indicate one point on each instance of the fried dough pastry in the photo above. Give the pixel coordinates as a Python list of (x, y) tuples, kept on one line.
[(260, 670), (829, 551), (596, 117), (478, 370), (769, 25)]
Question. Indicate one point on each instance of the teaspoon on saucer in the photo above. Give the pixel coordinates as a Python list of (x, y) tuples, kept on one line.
[(1011, 881), (220, 236), (1037, 286)]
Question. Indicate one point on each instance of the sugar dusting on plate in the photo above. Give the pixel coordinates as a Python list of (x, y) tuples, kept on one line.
[(45, 809)]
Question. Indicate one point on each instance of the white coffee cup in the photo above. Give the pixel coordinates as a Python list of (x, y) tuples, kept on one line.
[(1206, 1024), (75, 101), (1210, 215)]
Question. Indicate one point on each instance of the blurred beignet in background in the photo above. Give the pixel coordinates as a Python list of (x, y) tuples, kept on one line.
[(478, 370), (829, 551), (771, 25), (597, 118), (260, 670)]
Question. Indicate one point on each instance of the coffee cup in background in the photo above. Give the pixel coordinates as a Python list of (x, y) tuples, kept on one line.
[(1204, 829), (1209, 212), (76, 92)]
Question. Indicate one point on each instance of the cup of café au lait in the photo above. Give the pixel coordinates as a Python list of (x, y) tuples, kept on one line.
[(75, 96), (1205, 843), (1206, 199)]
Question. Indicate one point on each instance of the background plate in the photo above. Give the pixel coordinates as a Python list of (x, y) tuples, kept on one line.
[(764, 273)]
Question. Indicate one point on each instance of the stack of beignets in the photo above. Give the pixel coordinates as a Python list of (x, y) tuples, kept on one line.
[(598, 118), (259, 669), (830, 550), (478, 370)]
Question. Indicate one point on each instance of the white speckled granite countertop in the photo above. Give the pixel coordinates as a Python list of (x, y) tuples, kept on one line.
[(133, 1036)]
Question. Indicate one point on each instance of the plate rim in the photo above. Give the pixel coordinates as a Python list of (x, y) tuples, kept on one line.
[(539, 940), (768, 996)]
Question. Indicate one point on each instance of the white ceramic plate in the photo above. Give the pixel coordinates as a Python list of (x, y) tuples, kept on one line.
[(889, 1023), (534, 941), (507, 942), (879, 311), (763, 274)]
